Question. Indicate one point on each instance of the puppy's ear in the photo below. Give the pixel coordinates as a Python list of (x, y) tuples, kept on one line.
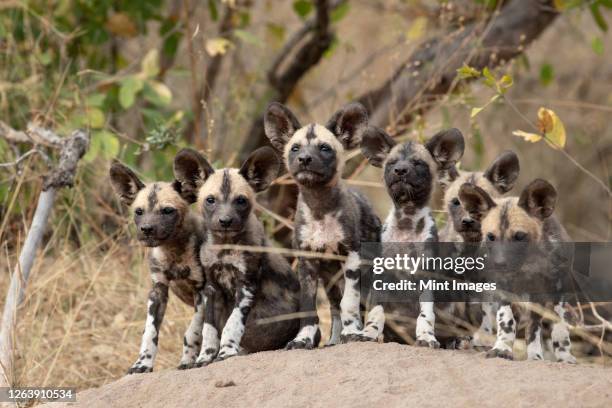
[(446, 148), (125, 182), (376, 145), (348, 124), (261, 168), (279, 124), (191, 170), (504, 171), (538, 199), (475, 200)]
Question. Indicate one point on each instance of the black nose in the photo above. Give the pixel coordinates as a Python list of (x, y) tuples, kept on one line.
[(467, 222), (304, 159), (225, 222), (400, 170), (146, 229)]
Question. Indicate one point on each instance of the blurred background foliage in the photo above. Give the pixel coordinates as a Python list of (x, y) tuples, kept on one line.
[(147, 77)]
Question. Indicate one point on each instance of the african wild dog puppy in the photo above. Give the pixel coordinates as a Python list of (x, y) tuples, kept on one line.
[(410, 171), (521, 220), (243, 288), (330, 217), (497, 180), (174, 233)]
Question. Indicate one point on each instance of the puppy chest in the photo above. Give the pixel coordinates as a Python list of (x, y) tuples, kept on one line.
[(225, 268), (322, 235)]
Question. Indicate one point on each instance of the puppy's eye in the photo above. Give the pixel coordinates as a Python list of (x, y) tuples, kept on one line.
[(241, 200), (295, 147), (324, 147), (391, 162), (520, 236), (210, 200), (139, 211), (490, 237), (455, 202), (168, 210)]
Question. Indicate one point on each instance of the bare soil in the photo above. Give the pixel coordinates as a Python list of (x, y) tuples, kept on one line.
[(362, 375)]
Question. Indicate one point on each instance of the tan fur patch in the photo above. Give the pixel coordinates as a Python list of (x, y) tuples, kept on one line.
[(507, 218), (165, 196), (214, 185), (323, 135), (476, 178)]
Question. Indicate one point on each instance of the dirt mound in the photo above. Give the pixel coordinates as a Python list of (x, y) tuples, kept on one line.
[(361, 375)]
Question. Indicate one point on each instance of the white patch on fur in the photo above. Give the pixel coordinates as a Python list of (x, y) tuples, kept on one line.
[(234, 328), (392, 233), (148, 349), (375, 323), (505, 341), (560, 337), (324, 234), (534, 349), (307, 333), (425, 324), (193, 335), (210, 342), (483, 337), (349, 305)]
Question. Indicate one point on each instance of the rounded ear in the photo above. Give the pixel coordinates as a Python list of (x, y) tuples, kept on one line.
[(348, 124), (125, 182), (261, 168), (446, 147), (191, 170), (504, 171), (475, 200), (538, 199), (376, 145), (279, 124)]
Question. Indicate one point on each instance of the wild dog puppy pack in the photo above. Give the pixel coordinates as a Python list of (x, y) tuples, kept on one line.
[(246, 297)]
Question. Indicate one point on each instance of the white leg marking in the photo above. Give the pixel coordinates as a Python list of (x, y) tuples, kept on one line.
[(148, 348), (234, 327), (506, 333), (193, 337), (483, 337), (349, 305), (534, 349), (210, 345), (375, 324), (562, 344), (425, 324)]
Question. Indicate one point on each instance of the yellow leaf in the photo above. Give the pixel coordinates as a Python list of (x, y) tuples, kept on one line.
[(552, 128), (94, 118), (162, 91), (529, 137), (417, 29), (217, 46), (476, 111), (150, 64), (121, 25)]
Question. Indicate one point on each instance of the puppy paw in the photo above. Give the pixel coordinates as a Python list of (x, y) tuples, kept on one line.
[(300, 344), (500, 353), (226, 352), (434, 344), (139, 368), (567, 359), (354, 337)]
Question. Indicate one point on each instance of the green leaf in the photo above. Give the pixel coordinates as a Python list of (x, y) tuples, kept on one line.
[(212, 8), (247, 37), (547, 74), (466, 72), (276, 30), (160, 94), (96, 99), (340, 12), (332, 48), (598, 17), (302, 8), (103, 144), (489, 78), (130, 86), (93, 118), (150, 64), (597, 45)]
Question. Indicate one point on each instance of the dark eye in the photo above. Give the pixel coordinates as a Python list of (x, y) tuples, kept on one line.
[(490, 237), (455, 201), (241, 200), (139, 211), (168, 210), (391, 162), (520, 236), (295, 148), (324, 147), (210, 200)]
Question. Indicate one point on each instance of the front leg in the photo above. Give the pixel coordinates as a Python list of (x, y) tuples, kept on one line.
[(351, 300), (309, 335), (156, 308), (192, 341), (560, 336), (234, 327), (210, 334), (506, 333), (482, 338), (533, 337), (425, 324)]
